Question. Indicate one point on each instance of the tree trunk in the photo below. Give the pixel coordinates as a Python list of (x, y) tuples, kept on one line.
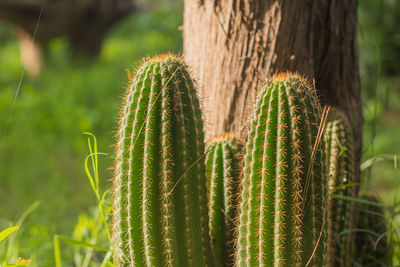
[(233, 46)]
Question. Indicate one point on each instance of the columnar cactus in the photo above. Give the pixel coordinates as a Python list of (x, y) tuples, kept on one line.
[(282, 219), (339, 150), (223, 179), (160, 206)]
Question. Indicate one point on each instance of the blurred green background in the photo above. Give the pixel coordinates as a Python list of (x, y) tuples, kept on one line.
[(43, 148)]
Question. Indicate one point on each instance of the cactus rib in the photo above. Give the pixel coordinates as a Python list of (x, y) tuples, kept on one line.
[(223, 179), (282, 207), (159, 187)]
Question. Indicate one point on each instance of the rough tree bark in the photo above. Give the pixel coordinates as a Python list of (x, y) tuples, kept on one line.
[(232, 46)]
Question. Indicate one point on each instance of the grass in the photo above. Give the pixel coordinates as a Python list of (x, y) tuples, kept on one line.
[(99, 222), (43, 146), (381, 173), (9, 248), (89, 231)]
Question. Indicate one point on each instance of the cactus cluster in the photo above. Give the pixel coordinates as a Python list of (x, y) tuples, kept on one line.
[(160, 206), (223, 180), (340, 162), (176, 204)]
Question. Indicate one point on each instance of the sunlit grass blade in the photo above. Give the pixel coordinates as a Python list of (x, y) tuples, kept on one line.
[(80, 243), (343, 186), (57, 251), (10, 245), (20, 263), (378, 158), (362, 201), (92, 171), (359, 230), (26, 213), (107, 260), (94, 181), (5, 233)]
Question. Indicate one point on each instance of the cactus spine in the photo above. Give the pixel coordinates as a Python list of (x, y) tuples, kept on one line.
[(339, 150), (160, 206), (282, 209), (223, 179)]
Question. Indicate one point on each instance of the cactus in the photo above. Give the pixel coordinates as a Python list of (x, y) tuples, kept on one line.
[(223, 179), (339, 150), (282, 218), (371, 241), (160, 206)]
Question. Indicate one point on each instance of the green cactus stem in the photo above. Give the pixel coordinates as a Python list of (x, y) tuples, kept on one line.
[(282, 218), (371, 242), (340, 161), (160, 206), (223, 172)]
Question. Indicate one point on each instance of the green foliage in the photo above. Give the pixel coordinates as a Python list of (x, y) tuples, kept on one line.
[(371, 235), (85, 252), (379, 43), (42, 148), (223, 172), (9, 247), (91, 229), (282, 210), (379, 50), (389, 208), (19, 263), (7, 232), (160, 208), (382, 143), (340, 161)]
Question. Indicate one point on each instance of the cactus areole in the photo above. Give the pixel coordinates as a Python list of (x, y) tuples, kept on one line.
[(282, 210), (160, 206)]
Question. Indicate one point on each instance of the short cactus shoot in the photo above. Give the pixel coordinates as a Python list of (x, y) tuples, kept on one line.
[(223, 168), (340, 162)]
